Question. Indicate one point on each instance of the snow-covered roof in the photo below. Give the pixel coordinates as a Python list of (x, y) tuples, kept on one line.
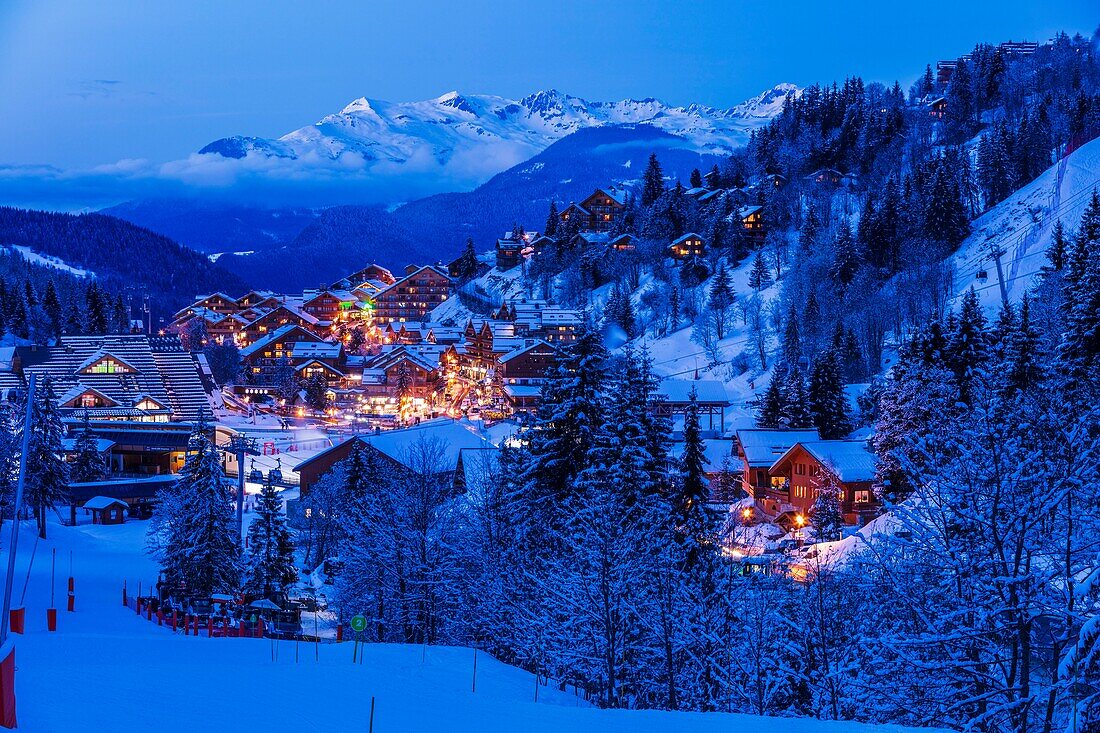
[(452, 436), (103, 502), (315, 350), (689, 235), (523, 350), (706, 390), (763, 446), (850, 460), (522, 390), (102, 444)]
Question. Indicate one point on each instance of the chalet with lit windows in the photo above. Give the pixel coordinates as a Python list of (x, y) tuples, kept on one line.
[(622, 243), (542, 319), (688, 246), (276, 318), (128, 377), (542, 243), (849, 464), (752, 222), (757, 451), (216, 302), (257, 299), (413, 296), (826, 177), (597, 213), (937, 107), (372, 274), (332, 306), (509, 252), (775, 180), (288, 345)]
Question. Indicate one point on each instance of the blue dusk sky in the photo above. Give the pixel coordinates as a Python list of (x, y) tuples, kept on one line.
[(114, 84)]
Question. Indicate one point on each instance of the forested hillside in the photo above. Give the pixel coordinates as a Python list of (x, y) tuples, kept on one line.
[(125, 258)]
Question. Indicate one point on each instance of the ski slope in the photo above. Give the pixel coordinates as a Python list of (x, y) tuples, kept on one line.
[(1021, 225), (106, 669)]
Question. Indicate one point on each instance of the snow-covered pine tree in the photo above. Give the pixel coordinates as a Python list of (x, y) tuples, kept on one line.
[(825, 513), (653, 181), (828, 402), (846, 260), (721, 299), (198, 543), (759, 276), (47, 481), (769, 409), (552, 221), (269, 570)]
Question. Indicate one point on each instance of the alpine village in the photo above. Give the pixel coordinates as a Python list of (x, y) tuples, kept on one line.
[(805, 427)]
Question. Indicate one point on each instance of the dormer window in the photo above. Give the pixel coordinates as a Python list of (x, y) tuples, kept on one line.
[(104, 363), (107, 365)]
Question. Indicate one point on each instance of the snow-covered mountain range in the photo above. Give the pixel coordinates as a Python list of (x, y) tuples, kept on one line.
[(468, 138)]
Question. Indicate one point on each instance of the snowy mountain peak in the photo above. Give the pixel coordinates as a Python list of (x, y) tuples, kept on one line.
[(465, 139)]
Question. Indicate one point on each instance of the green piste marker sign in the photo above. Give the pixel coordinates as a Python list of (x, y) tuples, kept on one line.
[(358, 623)]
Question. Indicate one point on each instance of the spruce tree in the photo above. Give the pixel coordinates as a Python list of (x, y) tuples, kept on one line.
[(47, 479), (769, 408), (825, 512), (692, 488), (721, 298), (51, 304), (696, 179), (552, 221), (269, 570), (195, 532), (759, 277), (1059, 247), (653, 181), (828, 402), (846, 259)]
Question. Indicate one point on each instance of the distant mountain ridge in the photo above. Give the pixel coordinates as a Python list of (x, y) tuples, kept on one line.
[(435, 228), (470, 137)]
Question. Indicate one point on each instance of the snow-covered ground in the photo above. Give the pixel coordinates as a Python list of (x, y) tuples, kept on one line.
[(106, 669), (47, 261), (1021, 226)]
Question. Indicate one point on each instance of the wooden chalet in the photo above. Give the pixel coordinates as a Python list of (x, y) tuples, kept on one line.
[(752, 222), (598, 212), (412, 297), (279, 316), (369, 274), (523, 370), (688, 246), (757, 450), (826, 177), (509, 252), (332, 306), (106, 509), (937, 107), (809, 464), (119, 377), (263, 358)]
